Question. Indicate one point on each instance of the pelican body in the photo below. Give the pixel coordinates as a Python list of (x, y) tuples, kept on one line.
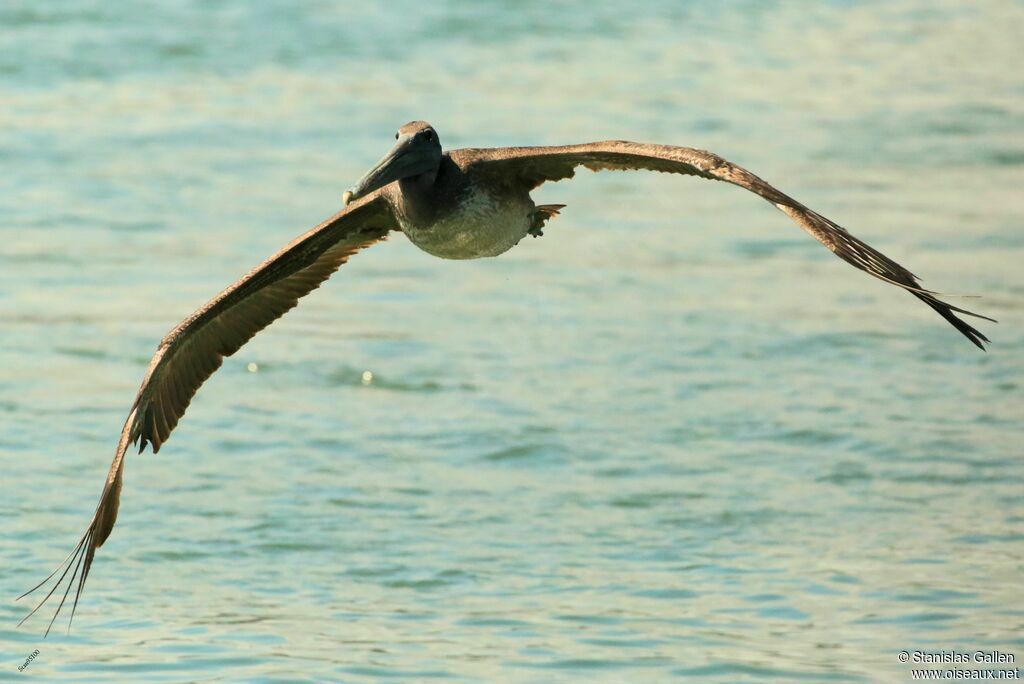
[(481, 221), (463, 204), (447, 205)]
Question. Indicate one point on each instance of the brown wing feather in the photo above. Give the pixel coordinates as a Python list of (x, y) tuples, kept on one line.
[(196, 348), (532, 166)]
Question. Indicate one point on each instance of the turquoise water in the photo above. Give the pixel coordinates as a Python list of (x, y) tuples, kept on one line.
[(672, 439)]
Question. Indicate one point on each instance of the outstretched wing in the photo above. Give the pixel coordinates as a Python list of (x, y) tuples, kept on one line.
[(533, 166), (191, 352)]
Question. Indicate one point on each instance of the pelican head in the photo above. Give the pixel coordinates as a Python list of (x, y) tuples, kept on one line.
[(416, 152)]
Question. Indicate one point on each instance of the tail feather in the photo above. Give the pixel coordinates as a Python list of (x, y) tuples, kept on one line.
[(543, 213), (548, 211)]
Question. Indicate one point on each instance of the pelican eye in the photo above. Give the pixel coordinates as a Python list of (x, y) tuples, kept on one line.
[(396, 136), (429, 135)]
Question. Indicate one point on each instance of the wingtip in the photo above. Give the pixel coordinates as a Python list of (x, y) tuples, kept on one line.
[(78, 563), (72, 563), (945, 310)]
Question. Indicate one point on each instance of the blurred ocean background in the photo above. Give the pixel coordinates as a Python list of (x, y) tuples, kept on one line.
[(673, 439)]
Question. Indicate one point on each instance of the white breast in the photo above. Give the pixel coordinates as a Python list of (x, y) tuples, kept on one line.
[(481, 225)]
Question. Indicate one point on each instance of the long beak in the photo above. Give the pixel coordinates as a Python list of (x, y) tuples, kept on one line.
[(402, 161)]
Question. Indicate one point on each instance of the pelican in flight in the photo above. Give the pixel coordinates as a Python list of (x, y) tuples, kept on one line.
[(462, 204)]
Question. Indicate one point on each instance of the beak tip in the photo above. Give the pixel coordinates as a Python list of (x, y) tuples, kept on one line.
[(346, 198)]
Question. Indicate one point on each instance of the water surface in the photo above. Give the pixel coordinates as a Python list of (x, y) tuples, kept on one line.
[(672, 439)]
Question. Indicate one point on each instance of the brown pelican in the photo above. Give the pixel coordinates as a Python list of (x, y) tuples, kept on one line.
[(464, 204)]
